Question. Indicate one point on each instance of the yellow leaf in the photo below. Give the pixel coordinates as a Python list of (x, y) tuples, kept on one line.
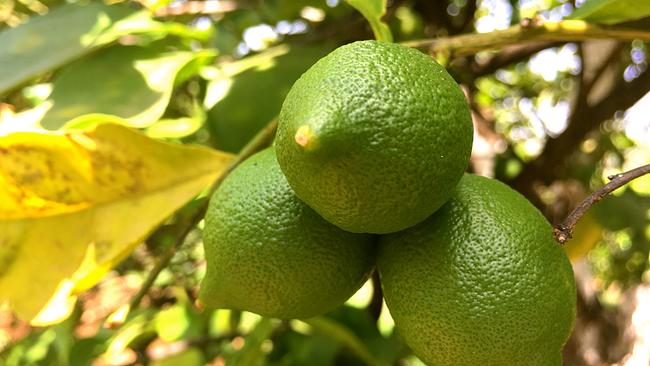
[(73, 205), (586, 235)]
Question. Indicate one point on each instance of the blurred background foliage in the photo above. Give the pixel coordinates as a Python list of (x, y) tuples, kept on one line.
[(552, 118)]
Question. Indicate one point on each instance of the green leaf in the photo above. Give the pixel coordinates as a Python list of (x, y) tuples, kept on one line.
[(35, 349), (612, 11), (373, 10), (252, 354), (344, 336), (387, 349), (295, 348), (35, 48), (178, 322), (264, 78), (624, 210), (70, 31), (137, 327), (172, 323), (189, 357), (137, 88), (86, 350), (174, 128)]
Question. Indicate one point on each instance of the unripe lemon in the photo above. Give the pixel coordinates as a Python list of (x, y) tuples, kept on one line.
[(374, 136), (481, 282), (269, 253)]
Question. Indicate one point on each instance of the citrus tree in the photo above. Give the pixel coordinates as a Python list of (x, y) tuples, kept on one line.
[(144, 215)]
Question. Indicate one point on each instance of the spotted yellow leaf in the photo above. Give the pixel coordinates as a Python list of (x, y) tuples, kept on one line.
[(73, 205)]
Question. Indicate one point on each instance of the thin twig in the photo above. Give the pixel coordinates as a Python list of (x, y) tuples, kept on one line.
[(564, 230), (260, 141), (562, 31)]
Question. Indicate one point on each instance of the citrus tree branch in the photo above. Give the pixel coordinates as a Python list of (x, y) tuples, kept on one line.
[(526, 32), (259, 142), (564, 230)]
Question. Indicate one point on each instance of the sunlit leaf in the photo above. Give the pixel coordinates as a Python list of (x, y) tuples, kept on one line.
[(612, 11), (72, 206), (177, 322), (172, 323), (137, 88), (138, 326), (174, 128), (68, 32), (142, 23), (178, 127), (373, 10)]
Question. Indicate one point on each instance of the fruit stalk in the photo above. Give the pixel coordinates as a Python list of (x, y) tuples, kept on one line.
[(257, 143), (564, 230)]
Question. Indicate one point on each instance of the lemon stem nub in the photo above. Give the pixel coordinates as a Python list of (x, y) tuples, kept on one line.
[(304, 136)]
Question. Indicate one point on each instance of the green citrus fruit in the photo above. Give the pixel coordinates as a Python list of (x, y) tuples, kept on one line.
[(374, 136), (481, 282), (269, 253)]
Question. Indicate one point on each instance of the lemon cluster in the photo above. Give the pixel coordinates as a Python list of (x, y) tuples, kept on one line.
[(367, 173)]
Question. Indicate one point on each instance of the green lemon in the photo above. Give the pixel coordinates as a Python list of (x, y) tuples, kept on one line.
[(374, 136), (269, 253), (481, 282)]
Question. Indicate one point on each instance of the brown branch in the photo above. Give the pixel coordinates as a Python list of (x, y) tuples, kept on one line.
[(260, 141), (562, 31), (564, 230)]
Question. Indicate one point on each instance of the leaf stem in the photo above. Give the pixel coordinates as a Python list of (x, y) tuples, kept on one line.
[(564, 230), (260, 141), (529, 30)]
